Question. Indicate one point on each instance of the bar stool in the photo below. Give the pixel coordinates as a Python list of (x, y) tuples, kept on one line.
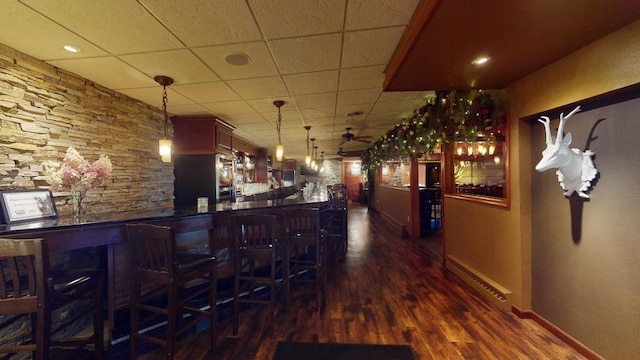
[(334, 220), (307, 249), (29, 287), (260, 260), (159, 272)]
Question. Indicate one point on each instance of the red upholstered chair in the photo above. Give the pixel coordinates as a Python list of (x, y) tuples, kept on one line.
[(29, 288), (159, 277)]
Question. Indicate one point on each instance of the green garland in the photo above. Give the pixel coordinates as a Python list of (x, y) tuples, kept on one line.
[(451, 115)]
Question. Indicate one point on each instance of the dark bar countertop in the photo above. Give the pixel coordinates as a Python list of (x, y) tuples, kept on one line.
[(62, 222)]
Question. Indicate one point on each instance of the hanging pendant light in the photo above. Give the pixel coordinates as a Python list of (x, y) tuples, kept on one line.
[(307, 159), (280, 147), (165, 144), (315, 155), (312, 163), (321, 161)]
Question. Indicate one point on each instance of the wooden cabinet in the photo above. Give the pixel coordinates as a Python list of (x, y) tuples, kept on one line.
[(224, 136), (201, 135), (262, 166)]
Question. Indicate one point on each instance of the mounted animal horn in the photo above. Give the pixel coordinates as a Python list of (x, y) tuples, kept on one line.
[(575, 167)]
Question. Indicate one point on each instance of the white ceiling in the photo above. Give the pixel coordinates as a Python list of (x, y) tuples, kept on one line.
[(323, 58)]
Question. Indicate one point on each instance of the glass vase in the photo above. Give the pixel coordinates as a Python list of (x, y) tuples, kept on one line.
[(78, 207)]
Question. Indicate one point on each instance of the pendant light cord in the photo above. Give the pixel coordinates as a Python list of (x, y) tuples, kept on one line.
[(165, 99), (278, 124)]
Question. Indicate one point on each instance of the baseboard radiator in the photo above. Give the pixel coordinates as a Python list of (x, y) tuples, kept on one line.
[(489, 289)]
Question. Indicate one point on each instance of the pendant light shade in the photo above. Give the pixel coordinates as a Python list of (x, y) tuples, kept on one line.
[(165, 144), (307, 159), (312, 161), (279, 152), (164, 148), (280, 147)]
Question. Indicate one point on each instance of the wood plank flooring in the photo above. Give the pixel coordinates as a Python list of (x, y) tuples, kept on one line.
[(390, 290)]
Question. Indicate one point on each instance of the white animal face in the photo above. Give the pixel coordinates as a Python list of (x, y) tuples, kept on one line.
[(556, 154)]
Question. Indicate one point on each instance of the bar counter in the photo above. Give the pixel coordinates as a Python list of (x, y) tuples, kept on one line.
[(195, 231)]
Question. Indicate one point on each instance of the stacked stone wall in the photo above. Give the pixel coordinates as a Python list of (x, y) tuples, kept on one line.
[(44, 110)]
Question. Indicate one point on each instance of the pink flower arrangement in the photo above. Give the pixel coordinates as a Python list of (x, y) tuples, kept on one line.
[(78, 175)]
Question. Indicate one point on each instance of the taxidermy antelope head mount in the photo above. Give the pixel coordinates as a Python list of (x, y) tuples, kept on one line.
[(575, 167)]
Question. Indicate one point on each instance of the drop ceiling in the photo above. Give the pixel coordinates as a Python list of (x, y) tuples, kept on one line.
[(323, 58)]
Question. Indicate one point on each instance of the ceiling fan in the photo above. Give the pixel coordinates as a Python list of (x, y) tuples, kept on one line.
[(348, 136)]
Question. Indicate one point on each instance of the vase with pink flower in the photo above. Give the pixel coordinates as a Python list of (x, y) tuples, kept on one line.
[(77, 176)]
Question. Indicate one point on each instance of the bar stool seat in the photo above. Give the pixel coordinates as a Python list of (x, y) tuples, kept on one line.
[(160, 276)]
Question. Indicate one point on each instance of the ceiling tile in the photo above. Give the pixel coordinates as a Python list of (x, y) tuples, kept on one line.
[(266, 105), (260, 62), (135, 29), (300, 62), (289, 115), (353, 97), (309, 83), (316, 113), (244, 119), (206, 22), (389, 96), (187, 109), (18, 22), (391, 106), (315, 100), (259, 88), (293, 18), (106, 71), (362, 77), (342, 110), (153, 96), (307, 54), (229, 108), (207, 92), (181, 65), (370, 47), (367, 14)]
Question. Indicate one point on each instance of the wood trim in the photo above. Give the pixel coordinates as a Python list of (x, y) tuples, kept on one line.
[(422, 15), (594, 102), (448, 179), (559, 333)]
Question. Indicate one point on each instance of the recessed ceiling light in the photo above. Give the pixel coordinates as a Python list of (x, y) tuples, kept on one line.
[(480, 60), (71, 48), (238, 59)]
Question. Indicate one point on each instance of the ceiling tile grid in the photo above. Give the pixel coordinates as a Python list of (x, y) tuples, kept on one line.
[(323, 58)]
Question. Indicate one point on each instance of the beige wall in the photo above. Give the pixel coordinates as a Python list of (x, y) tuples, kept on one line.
[(498, 242), (393, 203), (44, 110)]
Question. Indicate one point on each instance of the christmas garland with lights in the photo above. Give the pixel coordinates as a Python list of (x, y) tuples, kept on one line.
[(447, 117)]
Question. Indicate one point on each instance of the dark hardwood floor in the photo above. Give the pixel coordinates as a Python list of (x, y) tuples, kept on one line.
[(390, 290)]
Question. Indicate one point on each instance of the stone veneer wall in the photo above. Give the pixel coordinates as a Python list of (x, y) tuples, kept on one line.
[(332, 174), (44, 110)]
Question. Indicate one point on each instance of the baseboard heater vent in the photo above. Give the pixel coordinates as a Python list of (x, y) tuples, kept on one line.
[(493, 292)]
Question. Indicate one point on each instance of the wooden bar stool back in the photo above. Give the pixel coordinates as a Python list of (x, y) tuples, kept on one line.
[(159, 277), (307, 249), (29, 287), (334, 221), (259, 261)]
